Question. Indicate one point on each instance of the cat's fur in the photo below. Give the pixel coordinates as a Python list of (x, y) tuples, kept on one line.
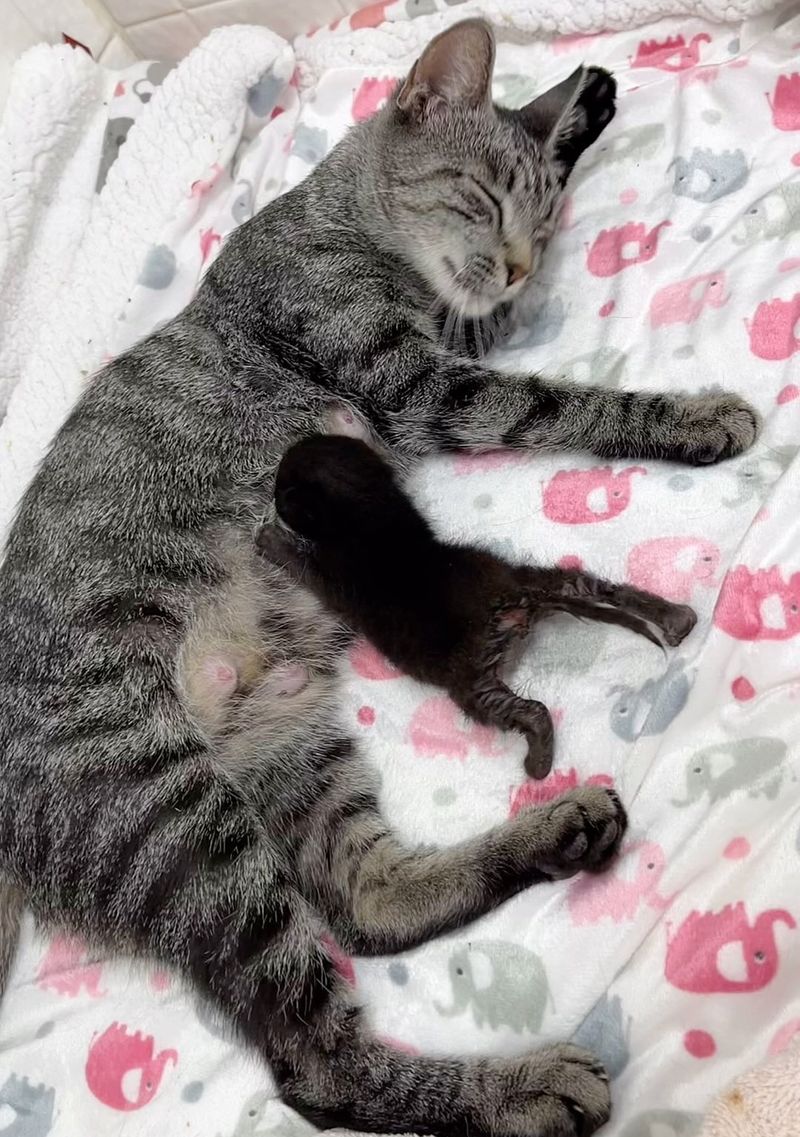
[(443, 613), (124, 814)]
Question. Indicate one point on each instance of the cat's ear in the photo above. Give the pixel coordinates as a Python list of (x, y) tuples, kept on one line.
[(454, 69), (568, 118)]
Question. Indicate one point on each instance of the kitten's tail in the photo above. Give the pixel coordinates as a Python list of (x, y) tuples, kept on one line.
[(11, 908)]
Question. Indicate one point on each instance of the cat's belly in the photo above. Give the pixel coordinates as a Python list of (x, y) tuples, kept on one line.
[(257, 667)]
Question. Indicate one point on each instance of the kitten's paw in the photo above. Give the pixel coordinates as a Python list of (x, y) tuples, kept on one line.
[(715, 427), (559, 1090), (588, 826), (677, 622), (541, 747)]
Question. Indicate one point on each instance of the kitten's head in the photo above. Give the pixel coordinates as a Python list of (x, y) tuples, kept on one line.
[(333, 488), (468, 191)]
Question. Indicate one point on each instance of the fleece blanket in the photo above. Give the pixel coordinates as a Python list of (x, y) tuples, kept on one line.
[(676, 266)]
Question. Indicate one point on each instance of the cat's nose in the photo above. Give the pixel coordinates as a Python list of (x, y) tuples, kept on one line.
[(517, 271)]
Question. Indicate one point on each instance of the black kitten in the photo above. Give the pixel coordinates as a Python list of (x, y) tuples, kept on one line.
[(444, 614)]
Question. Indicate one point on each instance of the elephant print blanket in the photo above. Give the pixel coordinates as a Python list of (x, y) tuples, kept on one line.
[(677, 263)]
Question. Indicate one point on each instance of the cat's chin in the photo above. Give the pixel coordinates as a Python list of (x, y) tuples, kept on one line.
[(470, 305)]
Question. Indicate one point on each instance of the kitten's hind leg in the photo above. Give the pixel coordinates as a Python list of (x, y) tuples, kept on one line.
[(493, 703), (631, 607), (583, 594)]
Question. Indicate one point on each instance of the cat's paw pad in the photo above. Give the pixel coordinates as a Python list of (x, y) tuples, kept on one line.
[(560, 1090), (598, 101), (677, 623), (588, 826), (715, 427)]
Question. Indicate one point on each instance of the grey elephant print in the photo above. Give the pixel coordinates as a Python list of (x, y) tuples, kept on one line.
[(606, 366), (606, 1032), (566, 646), (32, 1107), (501, 983), (153, 77), (543, 320), (706, 176), (158, 270), (663, 1123), (310, 143), (649, 709), (264, 94), (776, 214), (242, 208), (755, 475), (752, 764), (263, 1115), (631, 145), (113, 139)]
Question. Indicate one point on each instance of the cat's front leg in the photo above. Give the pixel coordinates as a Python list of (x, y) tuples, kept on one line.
[(421, 399), (381, 895)]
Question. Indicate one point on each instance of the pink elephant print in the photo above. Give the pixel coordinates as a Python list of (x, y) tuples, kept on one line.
[(630, 244), (368, 662), (209, 239), (772, 329), (785, 102), (618, 895), (575, 40), (370, 97), (715, 953), (759, 605), (438, 728), (369, 17), (67, 969), (682, 303), (556, 783), (671, 54), (580, 497), (489, 460), (398, 1044), (114, 1056), (673, 566), (342, 963)]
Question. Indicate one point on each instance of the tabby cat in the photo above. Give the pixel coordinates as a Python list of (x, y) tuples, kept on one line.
[(224, 847)]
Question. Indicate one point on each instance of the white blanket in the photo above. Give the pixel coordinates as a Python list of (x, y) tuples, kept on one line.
[(677, 266)]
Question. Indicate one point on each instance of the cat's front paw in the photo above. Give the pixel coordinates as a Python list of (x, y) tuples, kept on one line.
[(588, 825), (598, 101), (559, 1090), (715, 427)]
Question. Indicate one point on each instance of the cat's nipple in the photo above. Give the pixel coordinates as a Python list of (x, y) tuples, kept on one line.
[(220, 673), (288, 679), (341, 420)]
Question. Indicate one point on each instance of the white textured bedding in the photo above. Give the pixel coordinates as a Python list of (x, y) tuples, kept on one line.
[(678, 265)]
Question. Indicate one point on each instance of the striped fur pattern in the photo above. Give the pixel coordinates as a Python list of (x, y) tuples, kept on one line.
[(222, 843)]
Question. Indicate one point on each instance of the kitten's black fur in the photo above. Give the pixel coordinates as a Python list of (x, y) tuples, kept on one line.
[(443, 613)]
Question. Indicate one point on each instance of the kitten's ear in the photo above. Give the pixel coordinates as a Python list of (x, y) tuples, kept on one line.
[(455, 68), (571, 116)]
